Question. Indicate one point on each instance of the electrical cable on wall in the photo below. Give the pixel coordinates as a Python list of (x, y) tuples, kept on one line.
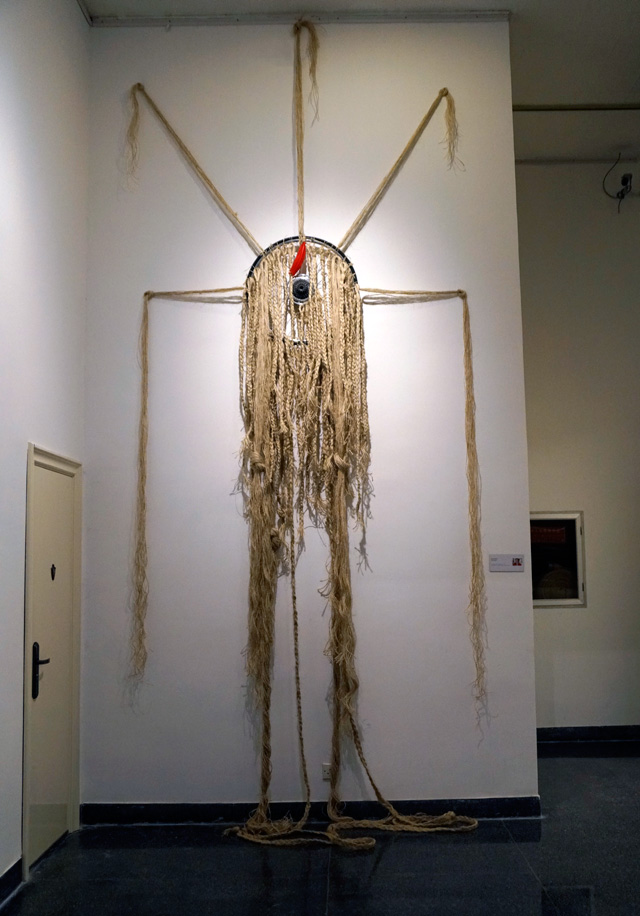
[(626, 184)]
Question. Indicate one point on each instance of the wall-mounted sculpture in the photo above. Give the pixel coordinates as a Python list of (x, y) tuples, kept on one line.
[(306, 454)]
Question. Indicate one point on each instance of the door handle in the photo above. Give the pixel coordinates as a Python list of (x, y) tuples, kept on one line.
[(36, 661)]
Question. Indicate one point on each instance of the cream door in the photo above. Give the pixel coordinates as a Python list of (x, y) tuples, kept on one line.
[(51, 652)]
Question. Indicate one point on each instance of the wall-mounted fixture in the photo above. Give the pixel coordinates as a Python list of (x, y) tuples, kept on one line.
[(557, 559), (626, 184)]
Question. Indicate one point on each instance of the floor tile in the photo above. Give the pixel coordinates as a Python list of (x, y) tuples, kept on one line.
[(581, 859), (478, 873), (588, 856), (175, 871)]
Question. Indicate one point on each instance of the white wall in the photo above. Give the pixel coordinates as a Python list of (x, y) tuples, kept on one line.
[(580, 282), (228, 92), (43, 164)]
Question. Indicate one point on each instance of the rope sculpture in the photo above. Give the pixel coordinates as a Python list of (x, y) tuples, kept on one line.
[(306, 453)]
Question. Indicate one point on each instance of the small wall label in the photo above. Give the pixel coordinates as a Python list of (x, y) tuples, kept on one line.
[(506, 562)]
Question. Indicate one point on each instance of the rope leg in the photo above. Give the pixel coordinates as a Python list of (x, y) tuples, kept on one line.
[(477, 607), (139, 653)]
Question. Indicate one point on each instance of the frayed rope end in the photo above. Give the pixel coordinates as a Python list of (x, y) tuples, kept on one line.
[(132, 145), (452, 136)]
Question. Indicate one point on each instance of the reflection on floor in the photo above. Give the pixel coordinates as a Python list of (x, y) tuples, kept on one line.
[(581, 859)]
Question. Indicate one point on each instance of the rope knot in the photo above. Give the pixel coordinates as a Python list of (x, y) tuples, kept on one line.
[(257, 462), (276, 542), (340, 463)]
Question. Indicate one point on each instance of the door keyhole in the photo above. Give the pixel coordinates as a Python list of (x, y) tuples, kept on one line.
[(53, 572)]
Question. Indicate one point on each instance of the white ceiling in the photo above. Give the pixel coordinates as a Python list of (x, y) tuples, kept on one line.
[(563, 53)]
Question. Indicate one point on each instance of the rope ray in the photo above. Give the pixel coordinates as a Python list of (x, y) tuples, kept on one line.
[(312, 49), (387, 181), (133, 154)]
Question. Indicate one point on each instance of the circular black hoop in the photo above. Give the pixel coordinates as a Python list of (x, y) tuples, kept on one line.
[(307, 238)]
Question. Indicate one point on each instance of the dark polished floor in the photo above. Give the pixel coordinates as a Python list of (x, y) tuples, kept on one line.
[(581, 858)]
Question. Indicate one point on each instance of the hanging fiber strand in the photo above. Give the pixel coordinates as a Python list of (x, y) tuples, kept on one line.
[(452, 142), (140, 581), (477, 594), (133, 151)]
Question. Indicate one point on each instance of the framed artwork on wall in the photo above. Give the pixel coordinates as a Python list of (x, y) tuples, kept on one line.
[(557, 559)]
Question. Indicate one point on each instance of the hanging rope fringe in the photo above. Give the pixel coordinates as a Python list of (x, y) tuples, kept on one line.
[(320, 396), (312, 52), (307, 448), (133, 152), (387, 181)]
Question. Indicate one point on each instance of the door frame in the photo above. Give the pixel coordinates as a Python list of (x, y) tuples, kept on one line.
[(39, 457)]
